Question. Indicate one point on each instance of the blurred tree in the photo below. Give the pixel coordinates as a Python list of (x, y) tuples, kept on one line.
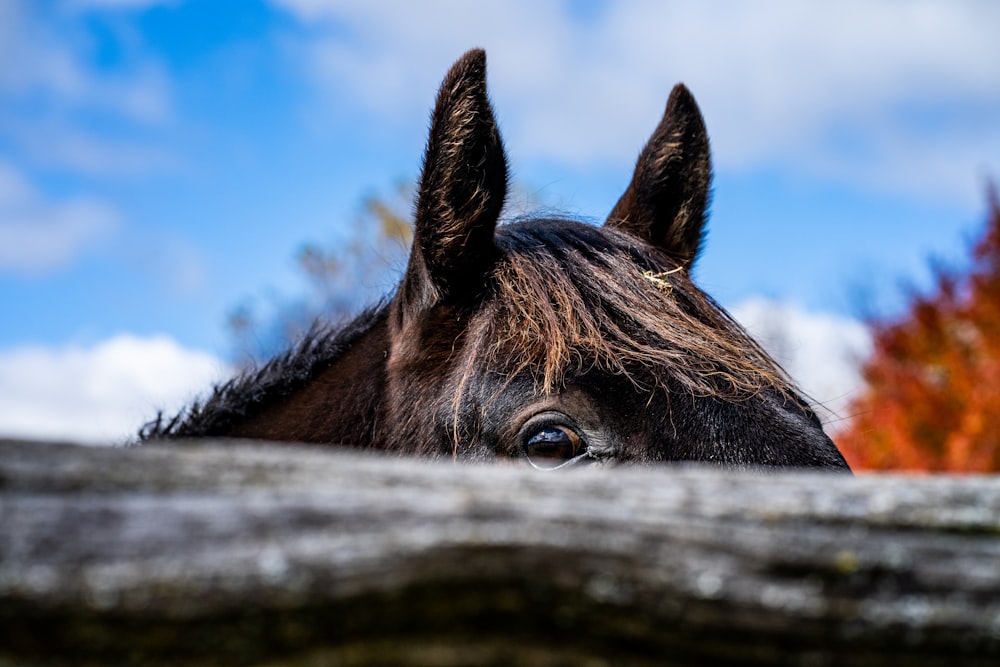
[(932, 400), (342, 278)]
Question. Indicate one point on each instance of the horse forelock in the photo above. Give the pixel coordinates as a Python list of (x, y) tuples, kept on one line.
[(570, 297)]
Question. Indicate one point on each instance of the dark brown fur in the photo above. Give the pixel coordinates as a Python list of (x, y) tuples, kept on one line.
[(500, 338)]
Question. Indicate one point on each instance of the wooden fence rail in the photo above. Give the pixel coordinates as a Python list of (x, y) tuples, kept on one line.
[(237, 554)]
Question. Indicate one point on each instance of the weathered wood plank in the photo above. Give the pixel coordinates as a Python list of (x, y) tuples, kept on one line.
[(226, 553)]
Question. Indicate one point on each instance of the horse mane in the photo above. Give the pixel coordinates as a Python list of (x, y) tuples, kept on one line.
[(564, 296), (257, 388), (570, 295)]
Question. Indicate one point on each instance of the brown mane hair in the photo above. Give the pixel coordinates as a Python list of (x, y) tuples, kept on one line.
[(567, 295)]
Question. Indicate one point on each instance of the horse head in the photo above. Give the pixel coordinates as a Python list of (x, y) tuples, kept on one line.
[(546, 340)]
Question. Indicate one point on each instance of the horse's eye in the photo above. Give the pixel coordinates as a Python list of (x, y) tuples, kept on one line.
[(551, 446)]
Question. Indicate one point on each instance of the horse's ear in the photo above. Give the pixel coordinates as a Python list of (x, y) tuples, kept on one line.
[(462, 189), (666, 202)]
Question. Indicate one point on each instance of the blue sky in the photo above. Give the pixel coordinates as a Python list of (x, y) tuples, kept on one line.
[(161, 162)]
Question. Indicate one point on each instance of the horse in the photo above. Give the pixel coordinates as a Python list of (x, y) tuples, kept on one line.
[(546, 340)]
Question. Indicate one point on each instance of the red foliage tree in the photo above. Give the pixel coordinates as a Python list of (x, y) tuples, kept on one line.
[(932, 401)]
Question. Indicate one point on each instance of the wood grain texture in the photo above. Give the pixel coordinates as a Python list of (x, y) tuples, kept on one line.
[(236, 553)]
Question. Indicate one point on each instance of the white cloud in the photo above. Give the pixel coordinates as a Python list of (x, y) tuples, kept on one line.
[(778, 82), (49, 58), (52, 89), (53, 144), (822, 352), (38, 235), (99, 394)]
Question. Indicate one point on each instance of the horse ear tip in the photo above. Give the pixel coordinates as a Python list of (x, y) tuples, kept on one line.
[(681, 96), (683, 112), (472, 63), (477, 55)]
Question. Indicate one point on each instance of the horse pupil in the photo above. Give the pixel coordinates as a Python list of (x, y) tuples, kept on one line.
[(550, 443)]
